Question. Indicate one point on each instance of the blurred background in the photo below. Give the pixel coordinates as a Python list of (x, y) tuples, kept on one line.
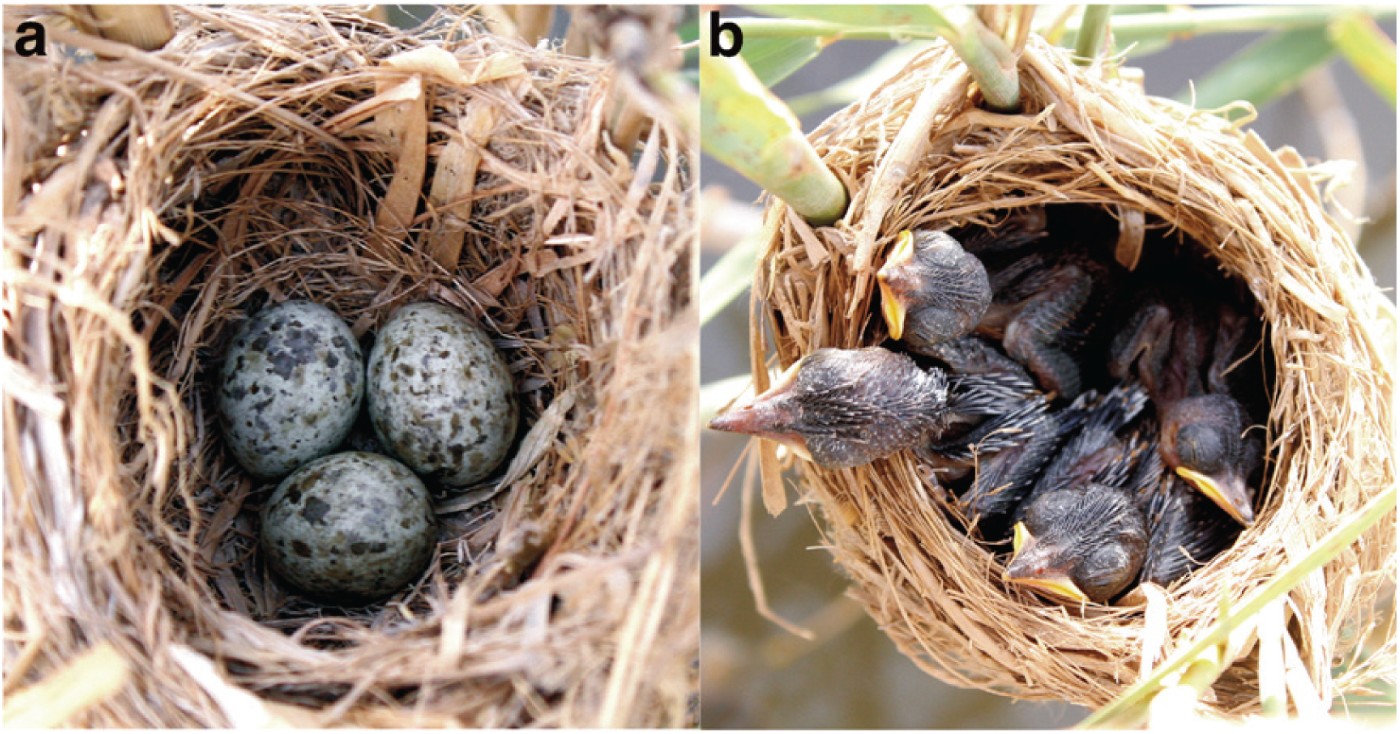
[(757, 675)]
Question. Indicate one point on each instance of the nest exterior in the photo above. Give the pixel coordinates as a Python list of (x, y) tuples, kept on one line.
[(154, 200), (1086, 139)]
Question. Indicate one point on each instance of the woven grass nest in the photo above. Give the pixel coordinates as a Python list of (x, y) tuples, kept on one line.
[(1163, 171), (154, 200)]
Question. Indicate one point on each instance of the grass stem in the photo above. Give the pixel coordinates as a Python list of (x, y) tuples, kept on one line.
[(746, 127), (1092, 28)]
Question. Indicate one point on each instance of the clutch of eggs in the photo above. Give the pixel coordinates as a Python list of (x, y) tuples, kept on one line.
[(441, 400)]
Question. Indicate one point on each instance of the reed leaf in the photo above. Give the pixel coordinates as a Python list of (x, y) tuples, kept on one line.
[(1368, 50), (775, 59), (1262, 71)]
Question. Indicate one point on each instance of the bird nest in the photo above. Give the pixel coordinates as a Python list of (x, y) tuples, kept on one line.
[(155, 199), (1168, 175)]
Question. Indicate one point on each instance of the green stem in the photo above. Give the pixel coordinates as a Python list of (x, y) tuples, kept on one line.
[(750, 130), (1124, 707), (1369, 51), (1203, 671), (989, 60), (1091, 33), (732, 274)]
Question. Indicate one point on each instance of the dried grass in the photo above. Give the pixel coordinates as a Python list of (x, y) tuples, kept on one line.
[(1088, 140), (153, 200)]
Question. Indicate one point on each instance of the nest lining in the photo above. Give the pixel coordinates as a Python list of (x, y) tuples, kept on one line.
[(1164, 170), (153, 201)]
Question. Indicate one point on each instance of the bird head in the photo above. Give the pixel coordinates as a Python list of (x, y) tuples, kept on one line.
[(1201, 443), (1082, 544), (846, 407), (1044, 567), (929, 274)]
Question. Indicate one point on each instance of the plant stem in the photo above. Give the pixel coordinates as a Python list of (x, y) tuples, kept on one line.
[(1091, 32), (989, 60), (732, 274), (750, 130), (1369, 50)]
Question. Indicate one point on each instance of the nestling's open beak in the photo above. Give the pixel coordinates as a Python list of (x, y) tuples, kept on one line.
[(890, 305), (1227, 491)]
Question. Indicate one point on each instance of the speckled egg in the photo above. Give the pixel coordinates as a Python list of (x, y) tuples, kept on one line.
[(289, 388), (350, 527), (440, 395)]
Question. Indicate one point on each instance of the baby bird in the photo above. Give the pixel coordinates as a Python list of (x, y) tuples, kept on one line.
[(847, 407), (931, 290), (1081, 544), (1185, 530), (1200, 431), (1009, 452), (1019, 228), (1095, 453), (976, 355), (1202, 443), (1044, 308)]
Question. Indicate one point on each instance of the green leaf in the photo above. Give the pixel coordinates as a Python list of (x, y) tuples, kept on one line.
[(1139, 9), (1369, 51), (1264, 70), (858, 85), (732, 274), (774, 59), (864, 16), (1146, 47), (1131, 25)]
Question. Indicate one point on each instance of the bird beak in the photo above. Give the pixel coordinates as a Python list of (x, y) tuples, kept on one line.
[(1228, 492), (1059, 587), (768, 416), (1020, 538), (890, 305), (1025, 571)]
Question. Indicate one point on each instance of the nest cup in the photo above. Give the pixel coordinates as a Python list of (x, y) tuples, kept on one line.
[(154, 201), (1166, 173)]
